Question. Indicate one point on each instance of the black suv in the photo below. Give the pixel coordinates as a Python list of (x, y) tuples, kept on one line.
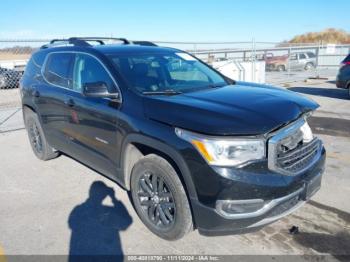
[(343, 77), (194, 148)]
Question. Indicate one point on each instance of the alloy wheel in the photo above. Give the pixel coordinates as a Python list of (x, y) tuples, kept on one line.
[(35, 138), (156, 200)]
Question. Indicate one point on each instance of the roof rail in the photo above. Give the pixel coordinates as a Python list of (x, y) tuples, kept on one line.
[(83, 41), (145, 43)]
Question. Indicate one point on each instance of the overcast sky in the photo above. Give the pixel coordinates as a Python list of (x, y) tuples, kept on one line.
[(179, 20)]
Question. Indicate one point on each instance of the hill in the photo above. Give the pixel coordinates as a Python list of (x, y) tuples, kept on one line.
[(328, 36)]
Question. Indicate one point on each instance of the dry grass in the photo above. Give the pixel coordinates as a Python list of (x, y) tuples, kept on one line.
[(330, 35), (12, 56)]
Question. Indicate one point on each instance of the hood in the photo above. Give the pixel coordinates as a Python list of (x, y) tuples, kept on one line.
[(240, 109)]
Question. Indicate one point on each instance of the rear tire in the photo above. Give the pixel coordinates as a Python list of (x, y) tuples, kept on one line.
[(309, 66), (160, 199), (36, 136)]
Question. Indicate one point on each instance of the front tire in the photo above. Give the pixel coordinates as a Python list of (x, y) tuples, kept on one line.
[(159, 198), (36, 136)]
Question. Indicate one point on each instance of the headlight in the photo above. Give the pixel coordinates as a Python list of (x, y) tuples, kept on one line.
[(223, 151)]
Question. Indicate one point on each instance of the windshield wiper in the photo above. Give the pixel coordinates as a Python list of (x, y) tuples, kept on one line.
[(217, 85), (168, 92)]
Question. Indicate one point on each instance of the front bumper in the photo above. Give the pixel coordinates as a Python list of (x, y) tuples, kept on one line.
[(281, 195)]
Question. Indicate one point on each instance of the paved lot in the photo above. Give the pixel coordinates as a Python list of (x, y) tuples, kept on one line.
[(299, 75), (37, 200)]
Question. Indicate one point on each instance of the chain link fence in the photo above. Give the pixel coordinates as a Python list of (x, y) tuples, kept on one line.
[(283, 62)]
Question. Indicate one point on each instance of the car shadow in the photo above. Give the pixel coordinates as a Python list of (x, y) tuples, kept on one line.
[(95, 227), (336, 244), (325, 92)]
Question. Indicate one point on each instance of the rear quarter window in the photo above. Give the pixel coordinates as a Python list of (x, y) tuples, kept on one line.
[(39, 58), (34, 64), (31, 69)]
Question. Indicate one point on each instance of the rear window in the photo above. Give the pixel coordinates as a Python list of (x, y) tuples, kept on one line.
[(58, 68)]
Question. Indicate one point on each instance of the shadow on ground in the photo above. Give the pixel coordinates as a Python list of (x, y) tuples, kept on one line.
[(325, 92), (95, 227), (330, 126), (336, 244)]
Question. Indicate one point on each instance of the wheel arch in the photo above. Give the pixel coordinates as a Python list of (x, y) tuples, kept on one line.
[(29, 108), (136, 146)]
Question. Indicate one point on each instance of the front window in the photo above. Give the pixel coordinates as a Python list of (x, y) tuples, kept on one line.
[(87, 70), (177, 72)]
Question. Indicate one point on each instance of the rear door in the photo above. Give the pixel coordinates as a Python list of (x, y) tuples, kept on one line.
[(49, 97), (92, 125)]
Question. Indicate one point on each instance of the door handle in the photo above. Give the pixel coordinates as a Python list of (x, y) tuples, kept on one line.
[(70, 102)]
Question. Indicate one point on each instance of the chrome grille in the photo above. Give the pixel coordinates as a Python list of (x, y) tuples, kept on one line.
[(297, 159), (288, 154)]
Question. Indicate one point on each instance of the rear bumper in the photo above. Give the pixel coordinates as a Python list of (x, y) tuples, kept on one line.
[(209, 221)]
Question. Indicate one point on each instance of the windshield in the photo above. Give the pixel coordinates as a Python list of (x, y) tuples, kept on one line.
[(170, 73)]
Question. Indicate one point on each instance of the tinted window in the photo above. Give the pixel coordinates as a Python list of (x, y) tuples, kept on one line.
[(39, 58), (31, 69), (57, 69), (311, 55), (88, 69), (302, 56)]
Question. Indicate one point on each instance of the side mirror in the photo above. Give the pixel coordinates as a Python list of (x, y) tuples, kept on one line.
[(98, 89)]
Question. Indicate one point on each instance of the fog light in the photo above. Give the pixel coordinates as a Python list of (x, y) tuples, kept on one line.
[(239, 208)]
